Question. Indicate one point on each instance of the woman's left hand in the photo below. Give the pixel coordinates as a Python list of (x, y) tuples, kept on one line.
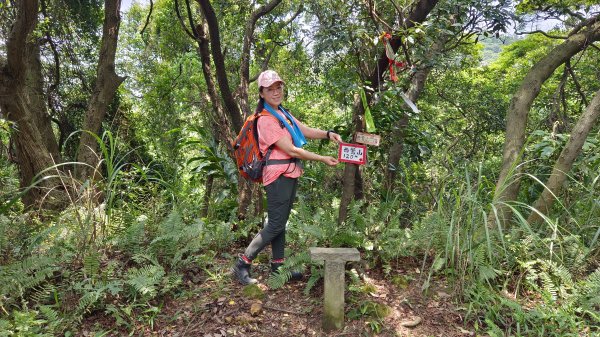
[(335, 137)]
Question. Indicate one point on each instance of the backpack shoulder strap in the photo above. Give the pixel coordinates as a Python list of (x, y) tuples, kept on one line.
[(266, 113)]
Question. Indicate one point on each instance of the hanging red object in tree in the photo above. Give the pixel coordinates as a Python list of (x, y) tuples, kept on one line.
[(389, 53)]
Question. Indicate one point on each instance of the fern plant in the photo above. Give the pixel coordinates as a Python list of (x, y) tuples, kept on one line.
[(588, 298), (284, 273), (27, 276), (145, 280), (316, 273)]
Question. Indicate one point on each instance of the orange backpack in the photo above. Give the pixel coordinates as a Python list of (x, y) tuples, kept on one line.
[(246, 151)]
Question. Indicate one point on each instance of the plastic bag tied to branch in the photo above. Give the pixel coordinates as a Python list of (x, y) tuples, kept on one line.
[(394, 65)]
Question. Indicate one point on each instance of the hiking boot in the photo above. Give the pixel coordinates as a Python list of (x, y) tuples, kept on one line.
[(296, 276), (241, 272)]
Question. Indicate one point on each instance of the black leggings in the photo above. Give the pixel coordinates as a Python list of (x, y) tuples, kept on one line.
[(280, 198)]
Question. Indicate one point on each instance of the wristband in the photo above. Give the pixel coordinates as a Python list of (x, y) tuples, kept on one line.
[(328, 132)]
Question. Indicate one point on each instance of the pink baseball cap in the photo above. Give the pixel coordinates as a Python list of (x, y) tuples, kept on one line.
[(267, 78)]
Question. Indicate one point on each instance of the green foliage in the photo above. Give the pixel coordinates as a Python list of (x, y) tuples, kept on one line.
[(373, 312), (587, 294), (67, 268), (292, 263), (129, 237), (208, 160), (25, 276), (550, 279), (177, 243), (370, 309), (87, 14), (317, 272), (63, 290), (8, 172), (546, 147), (377, 230), (539, 266), (560, 6), (145, 280), (493, 46), (503, 315), (28, 324)]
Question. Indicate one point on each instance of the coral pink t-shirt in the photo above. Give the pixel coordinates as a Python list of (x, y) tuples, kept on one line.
[(269, 132)]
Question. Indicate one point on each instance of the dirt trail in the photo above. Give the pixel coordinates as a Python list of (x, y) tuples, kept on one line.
[(216, 306)]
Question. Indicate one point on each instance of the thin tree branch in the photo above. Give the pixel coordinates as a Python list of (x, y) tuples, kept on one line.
[(190, 18), (293, 17), (264, 65), (217, 56), (585, 23), (284, 24), (147, 18), (406, 54), (185, 29), (398, 10), (576, 82), (247, 45), (559, 102), (543, 33), (375, 17), (458, 42), (54, 86), (575, 14)]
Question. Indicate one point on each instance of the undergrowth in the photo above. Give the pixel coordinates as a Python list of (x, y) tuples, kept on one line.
[(515, 279), (122, 257)]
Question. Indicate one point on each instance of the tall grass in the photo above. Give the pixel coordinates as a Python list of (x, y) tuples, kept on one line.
[(121, 237), (537, 275)]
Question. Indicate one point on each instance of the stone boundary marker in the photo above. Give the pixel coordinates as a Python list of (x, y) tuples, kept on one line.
[(335, 259)]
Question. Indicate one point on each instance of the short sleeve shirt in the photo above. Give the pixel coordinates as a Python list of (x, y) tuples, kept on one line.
[(269, 132)]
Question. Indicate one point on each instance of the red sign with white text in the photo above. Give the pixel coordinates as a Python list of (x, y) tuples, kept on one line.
[(353, 153)]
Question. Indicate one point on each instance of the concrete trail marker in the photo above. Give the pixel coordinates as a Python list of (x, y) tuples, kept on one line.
[(335, 259)]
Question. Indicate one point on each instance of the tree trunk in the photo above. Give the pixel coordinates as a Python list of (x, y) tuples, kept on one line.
[(229, 108), (107, 82), (507, 187), (245, 61), (418, 15), (217, 57), (208, 186), (566, 159), (37, 100), (351, 170), (32, 154), (221, 126), (417, 84), (416, 88)]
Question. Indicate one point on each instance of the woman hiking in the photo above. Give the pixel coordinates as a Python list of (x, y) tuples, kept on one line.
[(285, 135)]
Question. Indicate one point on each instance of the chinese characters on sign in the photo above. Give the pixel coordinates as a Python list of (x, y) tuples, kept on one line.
[(353, 153), (367, 138)]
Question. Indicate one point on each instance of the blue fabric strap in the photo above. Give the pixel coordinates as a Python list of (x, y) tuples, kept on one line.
[(297, 136)]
